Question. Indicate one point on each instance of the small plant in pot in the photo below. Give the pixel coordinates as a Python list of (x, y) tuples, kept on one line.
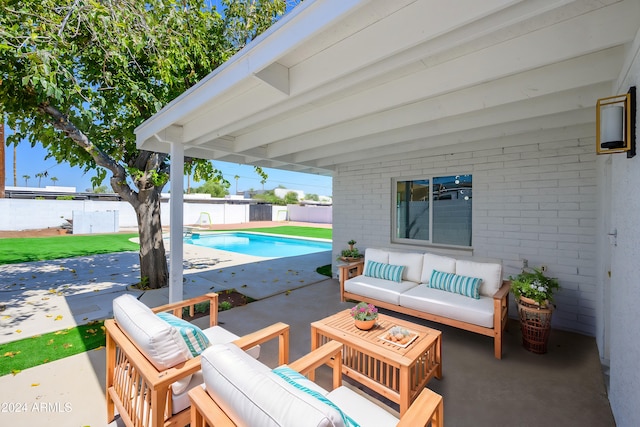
[(364, 315), (351, 254)]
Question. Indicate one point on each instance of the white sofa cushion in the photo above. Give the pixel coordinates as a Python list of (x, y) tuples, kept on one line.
[(454, 306), (161, 343), (380, 289), (252, 395), (377, 255), (412, 263), (432, 262), (490, 273)]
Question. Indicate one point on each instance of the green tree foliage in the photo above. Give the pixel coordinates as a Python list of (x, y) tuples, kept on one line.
[(101, 189), (291, 198), (313, 197), (78, 76), (269, 197), (212, 187)]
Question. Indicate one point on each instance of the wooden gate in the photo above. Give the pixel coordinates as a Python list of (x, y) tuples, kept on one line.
[(261, 212)]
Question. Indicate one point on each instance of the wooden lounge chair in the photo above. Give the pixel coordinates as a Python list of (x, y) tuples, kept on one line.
[(147, 381), (242, 391)]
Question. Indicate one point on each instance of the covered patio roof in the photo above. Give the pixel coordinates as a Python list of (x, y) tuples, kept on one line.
[(341, 80)]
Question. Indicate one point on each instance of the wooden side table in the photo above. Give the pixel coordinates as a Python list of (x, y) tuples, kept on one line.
[(347, 270)]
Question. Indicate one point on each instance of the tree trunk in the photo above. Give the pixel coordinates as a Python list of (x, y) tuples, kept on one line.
[(153, 262), (154, 272)]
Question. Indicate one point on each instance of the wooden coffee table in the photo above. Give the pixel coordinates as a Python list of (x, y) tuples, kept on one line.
[(397, 373)]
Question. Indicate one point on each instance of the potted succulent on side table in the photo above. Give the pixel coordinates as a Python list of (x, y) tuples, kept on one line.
[(533, 291), (364, 315), (351, 254)]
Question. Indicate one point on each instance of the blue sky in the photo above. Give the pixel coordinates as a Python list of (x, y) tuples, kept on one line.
[(30, 161)]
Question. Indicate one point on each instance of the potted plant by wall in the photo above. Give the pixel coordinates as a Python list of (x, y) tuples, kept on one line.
[(533, 292), (351, 254)]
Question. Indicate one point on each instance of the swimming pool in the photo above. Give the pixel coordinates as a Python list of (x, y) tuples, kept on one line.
[(259, 244)]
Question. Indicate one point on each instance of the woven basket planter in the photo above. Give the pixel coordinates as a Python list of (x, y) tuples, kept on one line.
[(535, 323)]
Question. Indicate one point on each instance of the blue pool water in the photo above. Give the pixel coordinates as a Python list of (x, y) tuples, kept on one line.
[(258, 244)]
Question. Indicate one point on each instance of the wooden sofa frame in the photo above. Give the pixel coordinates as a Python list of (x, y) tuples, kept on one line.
[(500, 308), (140, 392), (426, 409)]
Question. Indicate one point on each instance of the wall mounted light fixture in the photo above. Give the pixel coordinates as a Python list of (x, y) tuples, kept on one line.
[(616, 124)]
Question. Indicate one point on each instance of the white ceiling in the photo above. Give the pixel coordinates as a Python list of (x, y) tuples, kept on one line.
[(337, 81)]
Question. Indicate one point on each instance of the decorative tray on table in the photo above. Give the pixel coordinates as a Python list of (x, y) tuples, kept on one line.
[(399, 336)]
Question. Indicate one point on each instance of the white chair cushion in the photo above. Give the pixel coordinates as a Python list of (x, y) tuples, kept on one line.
[(252, 395), (360, 409), (300, 379), (215, 335), (412, 263), (161, 343), (219, 335), (180, 391), (441, 263), (490, 273)]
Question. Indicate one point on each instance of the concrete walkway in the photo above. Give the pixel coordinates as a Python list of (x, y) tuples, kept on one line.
[(47, 296)]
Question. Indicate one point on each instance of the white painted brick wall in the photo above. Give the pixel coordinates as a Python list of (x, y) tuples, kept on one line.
[(535, 202)]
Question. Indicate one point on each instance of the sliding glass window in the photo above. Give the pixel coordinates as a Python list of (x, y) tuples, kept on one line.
[(434, 210)]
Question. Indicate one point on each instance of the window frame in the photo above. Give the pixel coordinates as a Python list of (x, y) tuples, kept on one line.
[(394, 213)]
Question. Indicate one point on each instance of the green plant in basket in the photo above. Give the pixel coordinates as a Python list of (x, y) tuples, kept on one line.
[(535, 285)]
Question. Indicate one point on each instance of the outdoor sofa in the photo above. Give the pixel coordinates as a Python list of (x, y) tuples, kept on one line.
[(466, 294), (239, 390), (150, 361)]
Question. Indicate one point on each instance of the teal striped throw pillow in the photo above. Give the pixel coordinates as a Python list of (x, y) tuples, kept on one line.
[(193, 336), (440, 280), (290, 376), (463, 285), (380, 270)]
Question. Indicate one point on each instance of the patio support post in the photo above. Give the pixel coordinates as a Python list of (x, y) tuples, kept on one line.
[(176, 207)]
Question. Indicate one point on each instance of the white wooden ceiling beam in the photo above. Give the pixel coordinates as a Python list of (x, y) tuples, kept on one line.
[(578, 36), (596, 68)]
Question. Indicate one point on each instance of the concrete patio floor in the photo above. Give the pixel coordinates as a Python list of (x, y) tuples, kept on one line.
[(564, 387)]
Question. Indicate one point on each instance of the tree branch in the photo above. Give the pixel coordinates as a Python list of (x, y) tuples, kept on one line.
[(66, 18), (119, 179)]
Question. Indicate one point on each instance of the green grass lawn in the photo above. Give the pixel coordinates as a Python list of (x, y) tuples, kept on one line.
[(15, 250), (25, 353), (28, 352)]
